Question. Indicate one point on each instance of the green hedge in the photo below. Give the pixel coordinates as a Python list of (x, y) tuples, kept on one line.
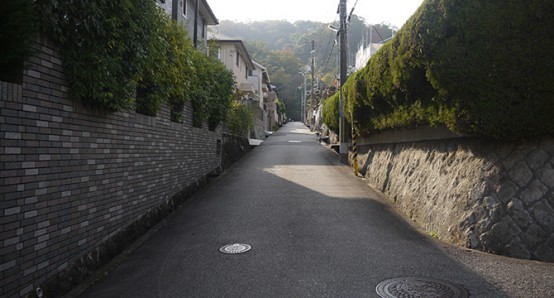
[(331, 112), (480, 68), (240, 119), (18, 30), (128, 54)]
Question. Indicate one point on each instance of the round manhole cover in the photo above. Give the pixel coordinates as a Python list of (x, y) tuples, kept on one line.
[(236, 248), (412, 287)]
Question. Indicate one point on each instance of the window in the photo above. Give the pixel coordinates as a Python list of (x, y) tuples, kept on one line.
[(218, 147), (203, 29), (238, 61), (185, 8)]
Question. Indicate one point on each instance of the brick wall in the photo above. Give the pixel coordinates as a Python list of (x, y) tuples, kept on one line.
[(71, 177)]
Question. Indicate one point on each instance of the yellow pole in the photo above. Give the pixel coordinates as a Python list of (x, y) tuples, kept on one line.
[(355, 149)]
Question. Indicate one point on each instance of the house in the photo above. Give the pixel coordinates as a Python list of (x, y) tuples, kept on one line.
[(195, 15), (260, 78), (233, 54), (364, 53), (271, 107)]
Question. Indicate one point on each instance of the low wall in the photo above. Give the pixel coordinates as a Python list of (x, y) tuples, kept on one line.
[(77, 185), (488, 195)]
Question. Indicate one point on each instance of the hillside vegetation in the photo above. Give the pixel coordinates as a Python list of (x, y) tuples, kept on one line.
[(284, 48), (482, 68)]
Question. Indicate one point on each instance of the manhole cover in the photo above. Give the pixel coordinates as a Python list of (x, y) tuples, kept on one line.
[(412, 287), (236, 248)]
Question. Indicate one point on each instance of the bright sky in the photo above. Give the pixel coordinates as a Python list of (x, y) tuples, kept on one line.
[(394, 12)]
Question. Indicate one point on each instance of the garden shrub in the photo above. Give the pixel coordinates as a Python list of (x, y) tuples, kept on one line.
[(120, 55), (331, 112), (240, 117), (18, 31), (104, 46)]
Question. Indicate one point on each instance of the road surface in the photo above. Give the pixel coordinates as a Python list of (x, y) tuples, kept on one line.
[(315, 230)]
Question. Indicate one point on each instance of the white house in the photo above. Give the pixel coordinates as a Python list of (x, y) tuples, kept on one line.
[(191, 13), (259, 77), (233, 54)]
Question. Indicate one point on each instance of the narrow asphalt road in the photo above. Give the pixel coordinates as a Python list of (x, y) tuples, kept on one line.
[(315, 230)]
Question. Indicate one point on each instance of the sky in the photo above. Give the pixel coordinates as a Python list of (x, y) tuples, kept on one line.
[(393, 12)]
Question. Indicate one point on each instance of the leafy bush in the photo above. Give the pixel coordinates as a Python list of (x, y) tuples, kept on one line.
[(18, 29), (240, 117), (128, 54), (479, 68), (169, 73), (103, 46), (212, 90), (331, 112)]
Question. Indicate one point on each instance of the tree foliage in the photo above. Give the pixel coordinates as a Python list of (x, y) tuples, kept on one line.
[(331, 112), (18, 30), (283, 68), (240, 117), (285, 49), (128, 54)]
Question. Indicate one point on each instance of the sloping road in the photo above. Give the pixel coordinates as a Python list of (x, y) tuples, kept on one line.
[(315, 230)]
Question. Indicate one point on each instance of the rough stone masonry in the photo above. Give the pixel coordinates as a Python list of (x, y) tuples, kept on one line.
[(483, 194)]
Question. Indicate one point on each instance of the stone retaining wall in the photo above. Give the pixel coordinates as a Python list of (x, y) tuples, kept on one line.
[(73, 179), (492, 196)]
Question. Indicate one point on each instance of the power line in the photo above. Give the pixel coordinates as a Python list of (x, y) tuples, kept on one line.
[(352, 10)]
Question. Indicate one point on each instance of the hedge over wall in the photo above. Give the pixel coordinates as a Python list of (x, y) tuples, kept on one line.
[(129, 54), (482, 68)]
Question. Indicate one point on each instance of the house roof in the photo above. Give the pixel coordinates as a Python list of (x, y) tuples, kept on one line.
[(241, 49), (208, 14)]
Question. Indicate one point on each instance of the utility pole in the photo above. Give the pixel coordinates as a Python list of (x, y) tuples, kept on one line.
[(343, 149), (303, 99), (311, 112)]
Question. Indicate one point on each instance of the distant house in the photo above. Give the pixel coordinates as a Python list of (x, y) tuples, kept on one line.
[(260, 78), (271, 107), (364, 53), (233, 54), (252, 79), (367, 48), (191, 13)]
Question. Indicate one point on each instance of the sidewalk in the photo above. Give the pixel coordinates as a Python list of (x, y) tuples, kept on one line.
[(513, 277)]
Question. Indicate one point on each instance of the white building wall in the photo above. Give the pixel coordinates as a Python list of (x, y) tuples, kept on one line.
[(363, 55)]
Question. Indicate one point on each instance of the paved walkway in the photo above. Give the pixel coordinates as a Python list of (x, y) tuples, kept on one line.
[(315, 230)]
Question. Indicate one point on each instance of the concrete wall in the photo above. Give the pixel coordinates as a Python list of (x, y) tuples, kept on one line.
[(72, 179), (488, 195)]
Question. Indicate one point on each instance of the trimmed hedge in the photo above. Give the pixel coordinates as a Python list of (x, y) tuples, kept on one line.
[(481, 68), (331, 112)]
